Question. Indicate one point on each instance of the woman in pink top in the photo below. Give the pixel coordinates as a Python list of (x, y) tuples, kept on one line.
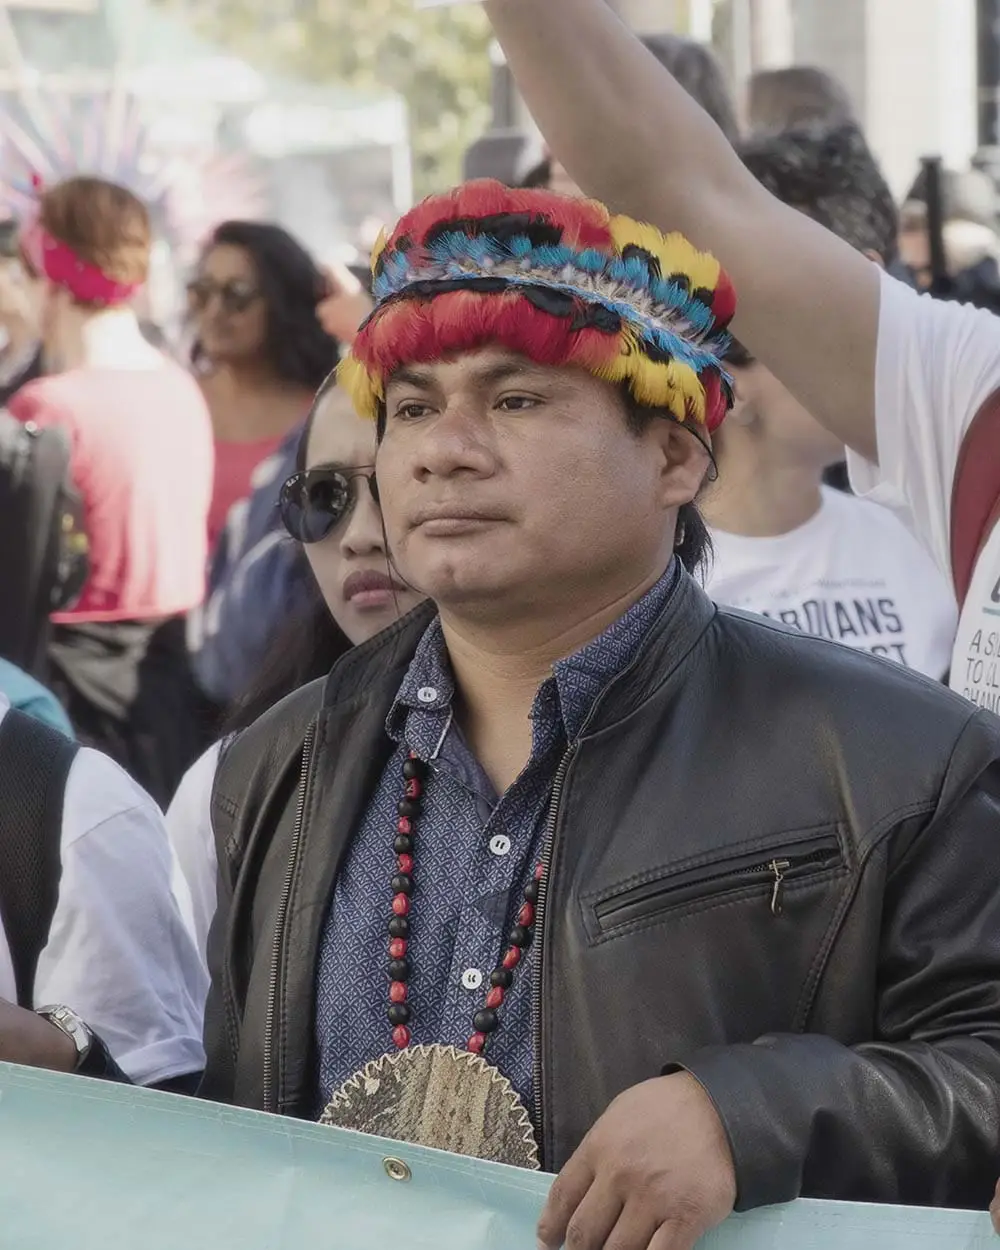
[(142, 460), (260, 351)]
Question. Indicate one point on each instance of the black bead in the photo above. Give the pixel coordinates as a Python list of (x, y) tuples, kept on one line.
[(414, 770), (402, 883), (399, 927), (502, 978), (485, 1021), (399, 970), (531, 891), (520, 936), (399, 1013), (410, 808), (403, 844)]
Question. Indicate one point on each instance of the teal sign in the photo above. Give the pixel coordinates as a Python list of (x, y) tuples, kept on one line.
[(101, 1167)]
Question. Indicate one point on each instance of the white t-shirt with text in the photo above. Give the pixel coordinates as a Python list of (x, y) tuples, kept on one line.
[(937, 365), (852, 574), (120, 952)]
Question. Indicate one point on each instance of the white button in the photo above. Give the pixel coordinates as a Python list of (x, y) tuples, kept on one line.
[(472, 979), (500, 844), (427, 694)]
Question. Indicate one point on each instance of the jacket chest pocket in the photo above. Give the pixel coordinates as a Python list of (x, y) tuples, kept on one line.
[(769, 878)]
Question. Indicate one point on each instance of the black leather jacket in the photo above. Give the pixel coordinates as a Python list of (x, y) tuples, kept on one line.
[(774, 862)]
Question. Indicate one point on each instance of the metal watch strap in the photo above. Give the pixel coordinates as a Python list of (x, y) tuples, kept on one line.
[(68, 1022)]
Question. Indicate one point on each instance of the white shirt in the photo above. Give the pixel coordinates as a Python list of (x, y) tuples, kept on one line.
[(937, 365), (189, 824), (119, 951), (853, 574)]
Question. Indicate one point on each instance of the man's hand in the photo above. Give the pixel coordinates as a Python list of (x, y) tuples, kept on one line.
[(995, 1208), (654, 1172), (345, 305), (26, 1038)]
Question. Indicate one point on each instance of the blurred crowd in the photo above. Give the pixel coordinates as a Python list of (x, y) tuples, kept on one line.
[(193, 533)]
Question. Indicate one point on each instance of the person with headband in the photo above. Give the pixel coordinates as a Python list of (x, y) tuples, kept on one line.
[(568, 867), (142, 463)]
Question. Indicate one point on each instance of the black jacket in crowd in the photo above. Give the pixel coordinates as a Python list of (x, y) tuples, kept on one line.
[(773, 862)]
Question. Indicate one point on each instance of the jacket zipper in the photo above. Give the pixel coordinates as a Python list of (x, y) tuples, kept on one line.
[(778, 868), (548, 848), (279, 924)]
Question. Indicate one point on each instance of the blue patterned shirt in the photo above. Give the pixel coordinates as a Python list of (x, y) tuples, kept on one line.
[(475, 852)]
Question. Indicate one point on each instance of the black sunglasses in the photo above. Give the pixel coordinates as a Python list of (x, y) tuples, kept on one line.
[(315, 502), (235, 296)]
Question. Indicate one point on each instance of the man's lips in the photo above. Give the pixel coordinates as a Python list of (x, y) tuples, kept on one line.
[(370, 582), (446, 520)]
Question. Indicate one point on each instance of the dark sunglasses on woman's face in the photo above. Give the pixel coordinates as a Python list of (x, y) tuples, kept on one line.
[(314, 503), (235, 296)]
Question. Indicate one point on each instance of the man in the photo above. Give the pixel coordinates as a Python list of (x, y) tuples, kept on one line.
[(783, 543), (911, 385), (98, 971), (715, 900)]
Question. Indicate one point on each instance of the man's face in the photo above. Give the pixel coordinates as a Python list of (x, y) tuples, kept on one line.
[(508, 486)]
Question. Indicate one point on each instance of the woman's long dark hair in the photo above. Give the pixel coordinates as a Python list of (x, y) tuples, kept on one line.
[(299, 349)]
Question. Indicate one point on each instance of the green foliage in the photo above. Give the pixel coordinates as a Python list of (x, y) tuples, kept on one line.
[(437, 59)]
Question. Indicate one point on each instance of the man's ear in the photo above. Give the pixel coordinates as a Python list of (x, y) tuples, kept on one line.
[(874, 256), (686, 461)]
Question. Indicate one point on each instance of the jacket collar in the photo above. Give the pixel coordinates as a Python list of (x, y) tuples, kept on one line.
[(376, 668)]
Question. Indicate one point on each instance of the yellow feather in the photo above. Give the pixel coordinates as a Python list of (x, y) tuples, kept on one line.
[(358, 383), (379, 247), (673, 251)]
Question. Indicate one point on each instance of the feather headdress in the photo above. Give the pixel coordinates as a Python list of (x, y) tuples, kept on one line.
[(558, 280)]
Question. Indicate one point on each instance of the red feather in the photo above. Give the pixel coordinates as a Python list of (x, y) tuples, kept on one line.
[(584, 222)]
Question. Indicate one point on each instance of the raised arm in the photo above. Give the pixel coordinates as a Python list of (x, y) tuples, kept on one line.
[(632, 137)]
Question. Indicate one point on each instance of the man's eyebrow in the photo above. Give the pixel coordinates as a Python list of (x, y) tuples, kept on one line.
[(422, 379)]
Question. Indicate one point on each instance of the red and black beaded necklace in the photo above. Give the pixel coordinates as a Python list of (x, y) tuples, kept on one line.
[(485, 1021)]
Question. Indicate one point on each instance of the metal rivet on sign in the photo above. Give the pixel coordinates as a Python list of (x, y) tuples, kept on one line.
[(397, 1170)]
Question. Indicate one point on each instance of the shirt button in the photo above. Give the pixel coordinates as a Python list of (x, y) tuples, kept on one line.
[(427, 694), (472, 979), (500, 844)]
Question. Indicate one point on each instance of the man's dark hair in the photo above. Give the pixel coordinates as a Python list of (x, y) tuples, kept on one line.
[(829, 173), (300, 350), (699, 71), (798, 95)]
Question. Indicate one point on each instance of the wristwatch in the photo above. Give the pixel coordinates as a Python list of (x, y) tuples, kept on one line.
[(65, 1019)]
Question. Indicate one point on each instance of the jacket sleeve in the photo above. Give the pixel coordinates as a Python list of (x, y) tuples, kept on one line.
[(913, 1116)]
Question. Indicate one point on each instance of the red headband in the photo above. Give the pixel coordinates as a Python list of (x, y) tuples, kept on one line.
[(55, 260)]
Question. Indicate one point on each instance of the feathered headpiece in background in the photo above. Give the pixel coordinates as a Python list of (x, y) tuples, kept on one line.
[(105, 137), (558, 280)]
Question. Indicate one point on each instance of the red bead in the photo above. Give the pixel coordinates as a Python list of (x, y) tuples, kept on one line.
[(405, 863), (477, 1043), (526, 915), (397, 948), (401, 1037), (404, 825), (512, 958), (397, 992), (401, 905), (539, 871), (494, 998), (414, 789)]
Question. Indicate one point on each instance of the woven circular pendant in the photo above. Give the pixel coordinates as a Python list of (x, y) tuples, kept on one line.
[(441, 1097)]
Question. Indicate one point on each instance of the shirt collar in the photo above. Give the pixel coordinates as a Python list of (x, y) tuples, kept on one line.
[(428, 689)]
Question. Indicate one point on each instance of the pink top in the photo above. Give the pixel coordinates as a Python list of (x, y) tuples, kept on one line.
[(234, 466), (142, 461)]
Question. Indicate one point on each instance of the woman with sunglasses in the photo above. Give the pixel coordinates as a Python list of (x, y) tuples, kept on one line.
[(260, 350), (329, 507)]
